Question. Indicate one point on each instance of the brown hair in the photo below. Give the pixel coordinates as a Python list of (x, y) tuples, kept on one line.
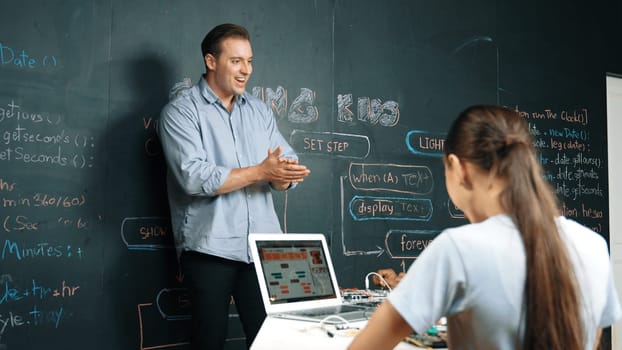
[(497, 140), (213, 39)]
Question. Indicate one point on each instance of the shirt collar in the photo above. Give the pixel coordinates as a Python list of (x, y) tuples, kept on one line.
[(209, 95)]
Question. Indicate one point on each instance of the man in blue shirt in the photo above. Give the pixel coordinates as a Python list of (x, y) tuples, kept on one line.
[(224, 155)]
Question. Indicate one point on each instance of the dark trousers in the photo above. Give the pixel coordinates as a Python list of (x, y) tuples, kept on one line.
[(212, 282)]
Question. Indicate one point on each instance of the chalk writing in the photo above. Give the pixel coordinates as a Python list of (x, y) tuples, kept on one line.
[(425, 143), (19, 223), (149, 123), (15, 58), (174, 303), (566, 155), (408, 244), (13, 111), (34, 317), (390, 208), (347, 250), (564, 151), (39, 250), (20, 134), (153, 148), (150, 320), (276, 99), (575, 116), (147, 233), (18, 201), (56, 156), (391, 177), (45, 200), (302, 110), (593, 213), (23, 223), (304, 107), (6, 186), (38, 139), (330, 144), (79, 223), (152, 143), (12, 293), (371, 111)]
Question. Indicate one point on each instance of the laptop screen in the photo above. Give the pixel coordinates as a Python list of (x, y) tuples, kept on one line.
[(295, 270)]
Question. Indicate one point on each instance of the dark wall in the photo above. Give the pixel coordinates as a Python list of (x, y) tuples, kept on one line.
[(364, 91)]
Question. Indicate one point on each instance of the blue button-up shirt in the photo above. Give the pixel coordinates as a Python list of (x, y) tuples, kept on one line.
[(202, 142)]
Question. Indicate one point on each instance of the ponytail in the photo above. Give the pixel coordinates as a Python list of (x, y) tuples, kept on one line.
[(497, 140)]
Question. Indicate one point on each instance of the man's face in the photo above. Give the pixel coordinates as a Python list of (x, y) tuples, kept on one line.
[(231, 69)]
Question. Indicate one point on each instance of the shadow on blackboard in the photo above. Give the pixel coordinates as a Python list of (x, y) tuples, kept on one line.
[(140, 263), (147, 296)]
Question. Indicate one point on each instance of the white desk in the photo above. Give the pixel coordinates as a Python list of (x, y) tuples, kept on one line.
[(281, 334)]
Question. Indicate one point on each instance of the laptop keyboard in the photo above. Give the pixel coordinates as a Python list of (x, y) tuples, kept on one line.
[(327, 311), (368, 304)]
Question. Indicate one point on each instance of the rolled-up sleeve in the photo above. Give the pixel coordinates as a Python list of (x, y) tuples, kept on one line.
[(180, 135)]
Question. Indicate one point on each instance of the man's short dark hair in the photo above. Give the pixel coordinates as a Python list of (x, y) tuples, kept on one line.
[(213, 39)]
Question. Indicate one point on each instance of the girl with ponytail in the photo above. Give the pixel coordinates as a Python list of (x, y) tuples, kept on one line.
[(520, 275)]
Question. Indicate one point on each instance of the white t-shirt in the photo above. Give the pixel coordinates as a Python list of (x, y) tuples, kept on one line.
[(475, 275)]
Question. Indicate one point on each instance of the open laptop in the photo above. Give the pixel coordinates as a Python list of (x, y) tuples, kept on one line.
[(297, 279)]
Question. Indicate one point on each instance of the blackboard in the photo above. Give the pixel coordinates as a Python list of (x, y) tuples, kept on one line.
[(363, 90)]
